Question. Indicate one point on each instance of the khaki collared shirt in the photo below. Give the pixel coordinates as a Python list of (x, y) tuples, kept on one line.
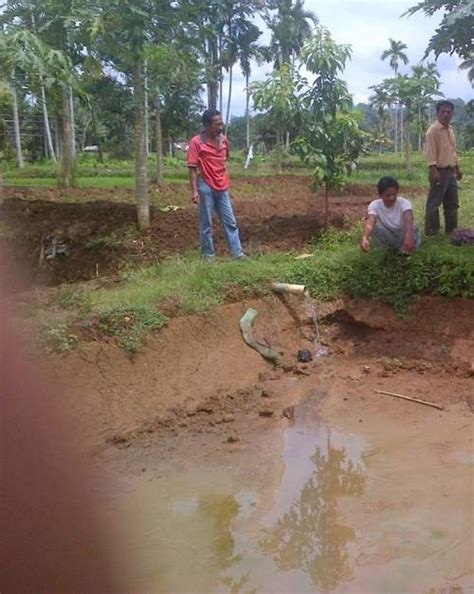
[(441, 146)]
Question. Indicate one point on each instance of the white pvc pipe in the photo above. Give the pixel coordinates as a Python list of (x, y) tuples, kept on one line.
[(288, 288)]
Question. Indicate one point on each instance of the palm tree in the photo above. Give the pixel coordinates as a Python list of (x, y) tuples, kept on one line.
[(468, 65), (249, 50), (239, 34), (396, 54), (291, 27), (428, 75), (380, 100)]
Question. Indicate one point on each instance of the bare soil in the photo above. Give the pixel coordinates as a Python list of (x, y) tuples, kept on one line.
[(99, 226), (198, 376)]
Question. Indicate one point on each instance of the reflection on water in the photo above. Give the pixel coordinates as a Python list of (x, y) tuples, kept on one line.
[(309, 536), (219, 512), (282, 528), (302, 545)]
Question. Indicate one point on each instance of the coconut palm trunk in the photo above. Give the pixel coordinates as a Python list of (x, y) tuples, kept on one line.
[(396, 128), (408, 146), (158, 141), (147, 117), (47, 127), (16, 127), (221, 75), (279, 147), (66, 177), (73, 126), (212, 83), (229, 98), (402, 135), (419, 127), (247, 109), (326, 206), (141, 177)]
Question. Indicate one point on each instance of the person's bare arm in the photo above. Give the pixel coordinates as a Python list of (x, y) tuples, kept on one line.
[(193, 176), (409, 239), (369, 227)]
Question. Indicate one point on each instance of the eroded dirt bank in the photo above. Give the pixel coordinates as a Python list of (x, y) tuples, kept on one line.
[(197, 375), (98, 227)]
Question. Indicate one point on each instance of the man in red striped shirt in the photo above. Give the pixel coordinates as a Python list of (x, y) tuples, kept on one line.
[(209, 178)]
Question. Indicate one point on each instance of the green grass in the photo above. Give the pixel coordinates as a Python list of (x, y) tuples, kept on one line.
[(373, 166), (81, 182), (130, 325), (46, 182), (120, 173), (338, 268)]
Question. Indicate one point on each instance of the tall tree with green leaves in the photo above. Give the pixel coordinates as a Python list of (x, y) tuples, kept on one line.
[(119, 34), (291, 25), (330, 140), (380, 100), (9, 84), (26, 57), (249, 51), (175, 76), (236, 31), (429, 75), (455, 32), (213, 27), (57, 24), (278, 96), (396, 54), (411, 91), (468, 65)]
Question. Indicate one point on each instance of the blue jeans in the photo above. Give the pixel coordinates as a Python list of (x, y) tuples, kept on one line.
[(210, 200)]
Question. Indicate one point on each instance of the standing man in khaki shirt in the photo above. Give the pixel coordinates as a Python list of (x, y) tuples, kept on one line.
[(444, 171)]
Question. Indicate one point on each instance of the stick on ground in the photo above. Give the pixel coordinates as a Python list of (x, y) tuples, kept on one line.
[(425, 402)]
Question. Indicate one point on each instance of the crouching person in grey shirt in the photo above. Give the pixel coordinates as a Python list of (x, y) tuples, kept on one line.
[(390, 221)]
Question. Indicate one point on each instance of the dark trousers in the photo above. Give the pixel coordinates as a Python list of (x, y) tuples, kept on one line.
[(443, 193)]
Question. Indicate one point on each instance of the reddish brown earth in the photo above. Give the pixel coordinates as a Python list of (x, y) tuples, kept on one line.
[(198, 376), (274, 213)]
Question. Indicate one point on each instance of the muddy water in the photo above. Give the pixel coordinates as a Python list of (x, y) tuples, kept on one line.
[(332, 511)]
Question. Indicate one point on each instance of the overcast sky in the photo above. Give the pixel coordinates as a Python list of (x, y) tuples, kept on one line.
[(367, 26)]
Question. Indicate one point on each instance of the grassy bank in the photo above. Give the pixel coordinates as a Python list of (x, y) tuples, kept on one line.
[(336, 268)]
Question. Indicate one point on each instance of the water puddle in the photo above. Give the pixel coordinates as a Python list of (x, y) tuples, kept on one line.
[(322, 515)]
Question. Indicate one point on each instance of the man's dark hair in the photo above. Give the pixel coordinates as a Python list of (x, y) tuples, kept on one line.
[(444, 103), (387, 182), (208, 115)]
